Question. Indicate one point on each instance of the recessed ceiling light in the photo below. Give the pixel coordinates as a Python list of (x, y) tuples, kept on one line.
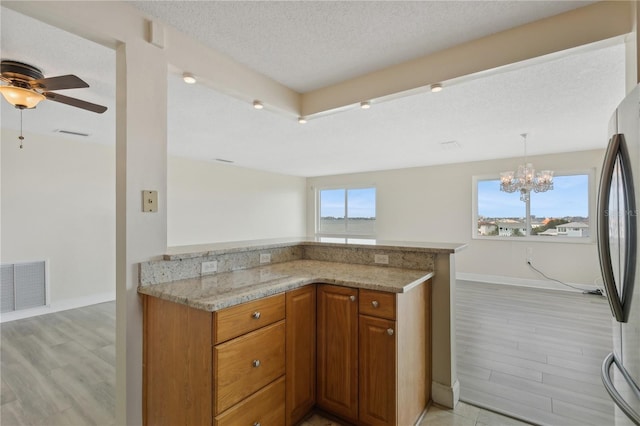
[(302, 120), (365, 104), (436, 87), (257, 104), (188, 78)]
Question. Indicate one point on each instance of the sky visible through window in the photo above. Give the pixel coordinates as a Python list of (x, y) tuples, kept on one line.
[(362, 203), (569, 198)]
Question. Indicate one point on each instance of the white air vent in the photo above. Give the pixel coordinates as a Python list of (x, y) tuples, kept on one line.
[(450, 146), (70, 132), (23, 286)]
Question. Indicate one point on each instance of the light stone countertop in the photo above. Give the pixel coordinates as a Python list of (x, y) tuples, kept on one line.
[(218, 291)]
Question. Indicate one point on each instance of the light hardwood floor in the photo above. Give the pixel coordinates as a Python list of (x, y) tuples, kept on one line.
[(534, 354), (59, 369)]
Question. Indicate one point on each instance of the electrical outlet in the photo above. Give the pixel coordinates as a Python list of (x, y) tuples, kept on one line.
[(209, 267), (381, 258), (265, 257), (529, 254)]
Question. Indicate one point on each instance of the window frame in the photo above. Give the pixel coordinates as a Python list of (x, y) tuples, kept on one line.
[(591, 173), (346, 234)]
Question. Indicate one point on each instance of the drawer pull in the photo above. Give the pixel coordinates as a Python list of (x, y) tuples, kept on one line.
[(255, 315), (352, 298), (390, 331), (375, 304), (256, 363)]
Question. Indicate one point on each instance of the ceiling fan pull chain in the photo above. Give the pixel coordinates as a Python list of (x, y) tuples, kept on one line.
[(21, 138)]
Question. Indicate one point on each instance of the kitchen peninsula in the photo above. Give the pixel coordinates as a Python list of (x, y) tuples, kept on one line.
[(262, 332)]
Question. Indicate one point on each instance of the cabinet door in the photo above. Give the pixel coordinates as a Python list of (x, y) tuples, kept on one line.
[(300, 353), (377, 371), (337, 367)]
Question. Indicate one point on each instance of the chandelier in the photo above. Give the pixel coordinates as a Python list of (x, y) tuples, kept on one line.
[(526, 179)]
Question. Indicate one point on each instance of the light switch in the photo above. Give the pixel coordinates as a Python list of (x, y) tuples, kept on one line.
[(150, 201)]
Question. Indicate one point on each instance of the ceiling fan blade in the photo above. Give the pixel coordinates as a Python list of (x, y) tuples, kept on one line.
[(59, 83), (75, 102)]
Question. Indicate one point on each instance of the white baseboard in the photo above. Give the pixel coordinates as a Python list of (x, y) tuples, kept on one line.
[(523, 282), (447, 396), (62, 305)]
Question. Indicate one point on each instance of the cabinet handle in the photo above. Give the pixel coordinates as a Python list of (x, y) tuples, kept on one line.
[(255, 315), (352, 298), (390, 331), (256, 363), (375, 304), (256, 424)]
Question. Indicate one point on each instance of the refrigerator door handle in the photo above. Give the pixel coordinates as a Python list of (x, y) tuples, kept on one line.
[(613, 392), (617, 151)]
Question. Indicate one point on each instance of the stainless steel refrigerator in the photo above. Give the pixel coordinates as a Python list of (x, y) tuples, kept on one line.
[(618, 242)]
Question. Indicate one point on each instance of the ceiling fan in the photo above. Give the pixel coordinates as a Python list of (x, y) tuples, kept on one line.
[(26, 86)]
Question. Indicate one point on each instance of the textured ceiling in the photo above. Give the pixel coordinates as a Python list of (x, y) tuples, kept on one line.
[(563, 103), (306, 45)]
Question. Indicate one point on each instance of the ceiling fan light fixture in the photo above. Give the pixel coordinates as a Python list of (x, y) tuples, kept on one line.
[(188, 78), (436, 87), (365, 104), (21, 98), (258, 104)]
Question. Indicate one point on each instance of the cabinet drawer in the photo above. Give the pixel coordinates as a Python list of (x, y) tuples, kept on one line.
[(240, 319), (378, 304), (246, 364), (265, 407)]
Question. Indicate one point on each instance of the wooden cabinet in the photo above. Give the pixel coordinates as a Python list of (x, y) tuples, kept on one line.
[(265, 407), (374, 355), (337, 366), (300, 353), (176, 363), (190, 380), (246, 364), (240, 319), (377, 378), (361, 355)]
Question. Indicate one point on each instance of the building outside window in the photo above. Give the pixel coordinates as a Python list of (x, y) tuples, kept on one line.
[(346, 212), (561, 214)]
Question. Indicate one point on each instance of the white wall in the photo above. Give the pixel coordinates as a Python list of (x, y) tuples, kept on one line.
[(435, 204), (213, 202), (58, 204)]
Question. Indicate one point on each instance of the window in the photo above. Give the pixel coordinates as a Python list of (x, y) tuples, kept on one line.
[(347, 211), (559, 214)]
